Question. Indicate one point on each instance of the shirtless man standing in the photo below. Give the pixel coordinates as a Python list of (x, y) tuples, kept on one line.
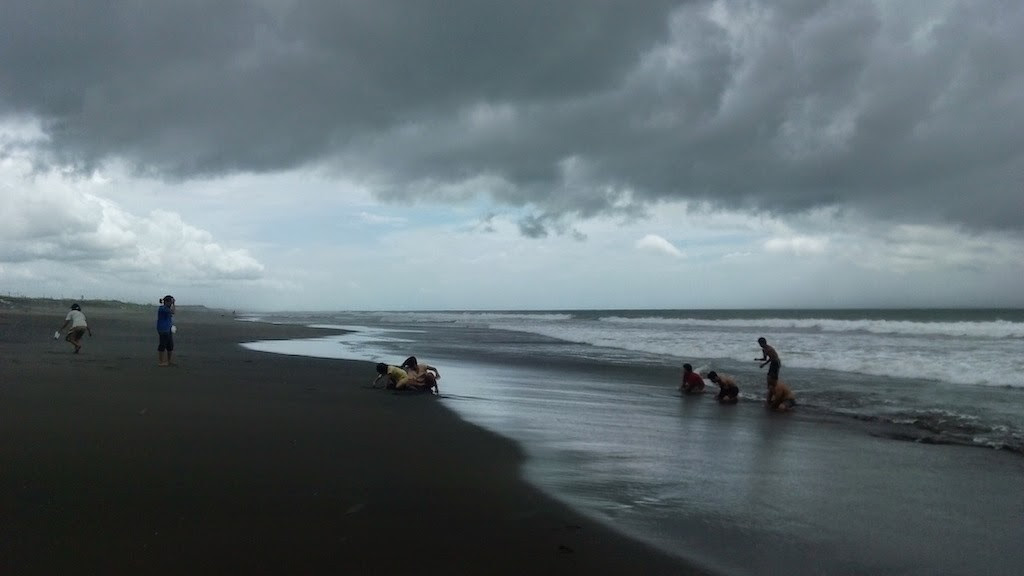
[(769, 356)]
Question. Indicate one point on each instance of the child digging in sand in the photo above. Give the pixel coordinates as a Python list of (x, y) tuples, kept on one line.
[(395, 377)]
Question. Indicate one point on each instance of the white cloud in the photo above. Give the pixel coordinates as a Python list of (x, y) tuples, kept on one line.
[(799, 245), (49, 218), (122, 237), (381, 219), (178, 249), (655, 243)]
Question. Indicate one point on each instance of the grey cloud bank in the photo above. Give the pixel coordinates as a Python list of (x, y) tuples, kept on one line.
[(907, 111)]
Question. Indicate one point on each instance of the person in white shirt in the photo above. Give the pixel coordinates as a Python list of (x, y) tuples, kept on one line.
[(76, 326)]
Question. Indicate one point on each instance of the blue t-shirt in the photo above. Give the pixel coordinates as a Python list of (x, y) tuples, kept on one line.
[(164, 319)]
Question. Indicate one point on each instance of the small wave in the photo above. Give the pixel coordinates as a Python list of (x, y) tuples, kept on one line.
[(947, 427), (991, 362), (963, 329), (1013, 447), (465, 397), (476, 318)]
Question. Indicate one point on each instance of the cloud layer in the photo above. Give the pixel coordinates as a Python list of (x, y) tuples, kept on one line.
[(51, 221), (566, 109)]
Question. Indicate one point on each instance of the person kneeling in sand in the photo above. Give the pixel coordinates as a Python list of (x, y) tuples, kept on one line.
[(780, 397), (728, 391), (691, 382), (424, 375), (395, 377)]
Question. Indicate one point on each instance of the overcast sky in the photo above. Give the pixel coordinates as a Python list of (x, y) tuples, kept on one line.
[(468, 154)]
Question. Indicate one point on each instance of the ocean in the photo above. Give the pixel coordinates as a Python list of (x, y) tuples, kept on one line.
[(905, 454)]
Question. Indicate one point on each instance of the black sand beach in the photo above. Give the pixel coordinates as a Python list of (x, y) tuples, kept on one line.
[(237, 461), (733, 489)]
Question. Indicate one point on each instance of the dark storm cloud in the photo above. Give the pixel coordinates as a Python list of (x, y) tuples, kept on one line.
[(571, 108)]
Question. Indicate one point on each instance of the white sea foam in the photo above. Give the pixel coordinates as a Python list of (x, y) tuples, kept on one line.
[(908, 354), (476, 317), (986, 329)]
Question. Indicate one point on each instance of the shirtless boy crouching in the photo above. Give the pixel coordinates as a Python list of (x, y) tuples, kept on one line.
[(414, 376), (728, 391), (780, 397), (423, 375)]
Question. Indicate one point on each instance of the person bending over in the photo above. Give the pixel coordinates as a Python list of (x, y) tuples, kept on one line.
[(780, 397), (691, 382), (728, 391), (424, 375), (77, 327), (394, 377)]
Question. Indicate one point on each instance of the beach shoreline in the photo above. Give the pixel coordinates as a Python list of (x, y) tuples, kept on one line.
[(737, 489), (242, 461)]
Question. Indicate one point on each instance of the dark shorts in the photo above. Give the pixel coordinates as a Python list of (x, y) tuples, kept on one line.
[(166, 342), (773, 369), (75, 334), (731, 392)]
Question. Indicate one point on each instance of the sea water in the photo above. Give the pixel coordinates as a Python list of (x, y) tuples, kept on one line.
[(904, 454)]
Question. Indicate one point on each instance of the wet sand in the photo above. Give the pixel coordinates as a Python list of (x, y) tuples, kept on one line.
[(236, 461)]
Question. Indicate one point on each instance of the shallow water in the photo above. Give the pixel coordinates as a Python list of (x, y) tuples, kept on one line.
[(820, 491)]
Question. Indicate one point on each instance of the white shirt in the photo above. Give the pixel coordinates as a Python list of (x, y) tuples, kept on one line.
[(77, 319)]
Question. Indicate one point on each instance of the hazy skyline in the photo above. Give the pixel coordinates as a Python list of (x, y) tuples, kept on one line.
[(526, 155)]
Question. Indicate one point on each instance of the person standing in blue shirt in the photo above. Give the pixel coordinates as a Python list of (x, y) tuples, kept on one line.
[(165, 328)]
